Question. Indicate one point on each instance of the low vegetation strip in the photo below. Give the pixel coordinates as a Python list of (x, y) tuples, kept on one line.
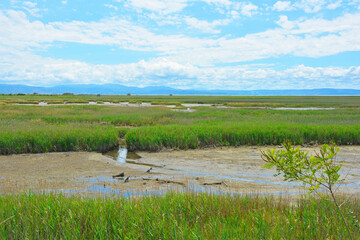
[(243, 101), (38, 137), (173, 216), (156, 138)]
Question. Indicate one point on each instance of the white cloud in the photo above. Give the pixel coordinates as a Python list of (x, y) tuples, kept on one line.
[(246, 9), (218, 2), (234, 14), (16, 31), (31, 8), (306, 38), (29, 4), (310, 38), (173, 6), (355, 3), (283, 6), (111, 6), (35, 70), (64, 2), (206, 26), (183, 60), (334, 5), (285, 23), (311, 6), (347, 24), (160, 6), (162, 20)]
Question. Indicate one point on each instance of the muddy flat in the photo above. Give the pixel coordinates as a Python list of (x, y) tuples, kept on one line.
[(217, 170), (68, 171)]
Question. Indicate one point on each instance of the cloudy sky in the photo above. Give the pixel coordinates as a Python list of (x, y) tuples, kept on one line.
[(202, 44)]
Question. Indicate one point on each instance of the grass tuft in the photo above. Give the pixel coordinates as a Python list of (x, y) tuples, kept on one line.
[(173, 216)]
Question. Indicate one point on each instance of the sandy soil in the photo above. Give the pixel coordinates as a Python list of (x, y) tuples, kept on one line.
[(218, 170), (70, 171)]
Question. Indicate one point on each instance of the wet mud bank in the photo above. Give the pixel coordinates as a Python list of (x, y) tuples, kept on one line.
[(218, 170)]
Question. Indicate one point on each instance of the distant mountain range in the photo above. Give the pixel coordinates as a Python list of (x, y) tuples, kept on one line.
[(116, 89)]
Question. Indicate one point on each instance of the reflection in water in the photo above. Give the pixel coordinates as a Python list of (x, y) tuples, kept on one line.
[(122, 154)]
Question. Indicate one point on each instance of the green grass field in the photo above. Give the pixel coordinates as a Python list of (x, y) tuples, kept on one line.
[(91, 127), (173, 216)]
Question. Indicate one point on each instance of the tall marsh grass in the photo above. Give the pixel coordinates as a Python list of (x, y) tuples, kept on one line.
[(37, 137), (156, 138), (173, 216)]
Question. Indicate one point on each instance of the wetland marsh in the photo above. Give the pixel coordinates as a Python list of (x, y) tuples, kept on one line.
[(153, 127), (72, 149)]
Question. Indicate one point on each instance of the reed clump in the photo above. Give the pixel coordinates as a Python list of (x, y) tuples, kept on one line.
[(259, 104), (78, 101), (165, 103), (37, 137), (173, 216), (55, 101)]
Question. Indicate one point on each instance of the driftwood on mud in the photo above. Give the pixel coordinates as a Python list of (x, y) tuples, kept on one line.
[(169, 181), (120, 175), (214, 183)]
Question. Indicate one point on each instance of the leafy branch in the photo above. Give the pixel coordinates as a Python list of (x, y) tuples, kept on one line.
[(320, 170)]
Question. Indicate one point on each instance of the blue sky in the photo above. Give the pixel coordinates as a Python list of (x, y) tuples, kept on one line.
[(202, 44)]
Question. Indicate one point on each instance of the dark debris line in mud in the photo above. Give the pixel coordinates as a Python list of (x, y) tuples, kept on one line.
[(104, 187)]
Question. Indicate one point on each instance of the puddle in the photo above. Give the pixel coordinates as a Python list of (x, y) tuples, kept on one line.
[(99, 187), (122, 154), (183, 110), (105, 185), (189, 105), (218, 176), (146, 104), (283, 108), (302, 109), (237, 178), (349, 184)]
